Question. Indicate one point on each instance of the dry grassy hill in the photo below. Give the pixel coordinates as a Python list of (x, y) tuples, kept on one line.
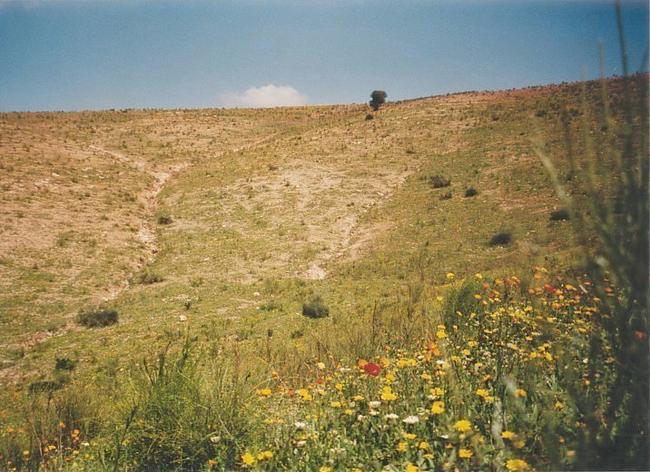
[(224, 222)]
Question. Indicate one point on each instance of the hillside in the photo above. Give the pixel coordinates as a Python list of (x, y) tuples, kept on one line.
[(222, 223)]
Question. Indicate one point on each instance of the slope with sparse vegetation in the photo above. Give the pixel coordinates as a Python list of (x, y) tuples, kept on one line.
[(303, 288)]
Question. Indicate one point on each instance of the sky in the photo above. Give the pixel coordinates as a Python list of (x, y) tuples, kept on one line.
[(100, 54)]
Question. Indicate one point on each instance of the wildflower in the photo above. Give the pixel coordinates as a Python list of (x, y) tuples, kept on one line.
[(265, 455), (300, 425), (438, 407), (402, 446), (374, 404), (437, 392), (426, 377), (462, 426), (372, 369), (264, 392), (465, 453), (520, 393), (411, 468), (388, 395), (423, 445), (357, 398), (325, 469), (338, 386), (335, 404), (360, 418), (451, 276), (391, 416), (248, 459), (409, 436), (411, 419), (507, 435), (321, 366), (515, 465), (440, 334), (304, 394)]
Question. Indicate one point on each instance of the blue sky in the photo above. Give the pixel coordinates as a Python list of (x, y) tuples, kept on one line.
[(84, 54)]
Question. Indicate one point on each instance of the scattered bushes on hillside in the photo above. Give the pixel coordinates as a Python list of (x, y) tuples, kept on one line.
[(64, 363), (471, 192), (559, 215), (164, 218), (501, 239), (315, 308), (369, 117), (147, 277), (97, 318), (438, 181)]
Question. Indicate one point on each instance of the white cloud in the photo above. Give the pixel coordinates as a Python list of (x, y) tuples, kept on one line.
[(265, 96)]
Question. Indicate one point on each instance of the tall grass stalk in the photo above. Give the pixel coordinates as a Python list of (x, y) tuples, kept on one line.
[(612, 179)]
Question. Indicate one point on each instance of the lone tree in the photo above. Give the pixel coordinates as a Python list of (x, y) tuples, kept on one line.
[(378, 99)]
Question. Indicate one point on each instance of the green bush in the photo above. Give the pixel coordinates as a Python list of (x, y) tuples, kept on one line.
[(559, 215), (315, 308), (63, 363), (438, 181), (471, 192), (97, 318), (164, 218), (147, 277), (501, 239)]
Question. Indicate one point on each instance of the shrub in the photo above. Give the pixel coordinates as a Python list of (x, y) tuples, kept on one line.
[(97, 318), (63, 363), (147, 277), (369, 117), (559, 215), (438, 181), (315, 308), (44, 386), (445, 196), (471, 192), (501, 239), (164, 218)]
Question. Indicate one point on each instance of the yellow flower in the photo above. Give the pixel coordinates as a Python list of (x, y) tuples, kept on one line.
[(437, 392), (357, 398), (423, 445), (325, 469), (264, 455), (520, 393), (335, 404), (507, 435), (438, 408), (248, 459), (409, 436), (338, 386), (465, 453), (388, 395), (402, 446), (451, 276), (441, 334), (264, 392), (425, 376), (304, 394), (515, 465), (411, 468), (463, 426), (321, 365)]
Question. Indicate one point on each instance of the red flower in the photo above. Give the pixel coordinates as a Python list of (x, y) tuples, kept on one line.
[(372, 369), (640, 336), (549, 289)]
